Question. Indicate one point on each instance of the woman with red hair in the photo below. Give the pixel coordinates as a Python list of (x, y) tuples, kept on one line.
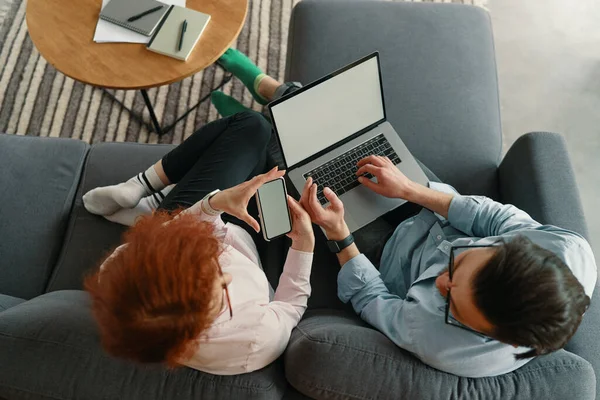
[(186, 288)]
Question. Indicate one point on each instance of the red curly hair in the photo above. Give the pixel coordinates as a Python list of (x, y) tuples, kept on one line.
[(153, 298)]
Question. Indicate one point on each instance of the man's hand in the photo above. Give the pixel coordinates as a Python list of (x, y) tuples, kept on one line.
[(390, 181), (302, 235), (393, 183), (234, 201), (330, 218)]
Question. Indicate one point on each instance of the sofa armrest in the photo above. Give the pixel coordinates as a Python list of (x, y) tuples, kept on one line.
[(536, 175), (585, 341)]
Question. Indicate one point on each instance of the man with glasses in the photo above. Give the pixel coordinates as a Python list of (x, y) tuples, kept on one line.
[(470, 286)]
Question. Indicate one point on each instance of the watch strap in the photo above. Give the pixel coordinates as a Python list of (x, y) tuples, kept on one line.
[(335, 246), (206, 207)]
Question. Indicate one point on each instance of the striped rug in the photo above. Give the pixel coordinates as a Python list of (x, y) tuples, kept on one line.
[(36, 99)]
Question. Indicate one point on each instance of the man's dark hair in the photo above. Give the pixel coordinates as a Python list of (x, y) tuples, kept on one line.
[(530, 297)]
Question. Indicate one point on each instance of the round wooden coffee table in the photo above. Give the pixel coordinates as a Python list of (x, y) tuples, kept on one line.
[(63, 31)]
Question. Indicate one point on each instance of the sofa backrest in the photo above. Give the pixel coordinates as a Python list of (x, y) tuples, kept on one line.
[(38, 181), (90, 237), (439, 77)]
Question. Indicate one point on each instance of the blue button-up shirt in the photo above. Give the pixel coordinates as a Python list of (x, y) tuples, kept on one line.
[(402, 301)]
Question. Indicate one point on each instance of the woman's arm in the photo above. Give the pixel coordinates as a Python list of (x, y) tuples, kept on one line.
[(282, 315), (198, 209), (291, 297), (293, 290)]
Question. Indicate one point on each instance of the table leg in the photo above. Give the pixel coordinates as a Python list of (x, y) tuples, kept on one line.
[(225, 80), (157, 127)]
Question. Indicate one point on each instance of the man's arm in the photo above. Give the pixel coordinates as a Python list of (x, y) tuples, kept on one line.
[(474, 215), (438, 202), (340, 233), (360, 283), (394, 184)]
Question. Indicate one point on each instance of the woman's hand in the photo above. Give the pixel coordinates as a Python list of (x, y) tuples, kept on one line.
[(234, 201), (302, 235), (330, 218), (390, 181)]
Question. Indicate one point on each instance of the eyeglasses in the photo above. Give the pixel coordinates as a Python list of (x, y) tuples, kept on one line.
[(449, 319), (226, 290)]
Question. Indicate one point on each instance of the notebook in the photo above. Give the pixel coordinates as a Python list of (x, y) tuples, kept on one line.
[(166, 39), (118, 11), (107, 32)]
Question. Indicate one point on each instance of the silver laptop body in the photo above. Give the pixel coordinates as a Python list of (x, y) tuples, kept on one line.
[(324, 120)]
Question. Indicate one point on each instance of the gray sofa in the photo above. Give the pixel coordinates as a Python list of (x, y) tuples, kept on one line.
[(442, 97)]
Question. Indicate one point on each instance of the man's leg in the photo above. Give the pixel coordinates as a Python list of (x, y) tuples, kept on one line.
[(269, 88)]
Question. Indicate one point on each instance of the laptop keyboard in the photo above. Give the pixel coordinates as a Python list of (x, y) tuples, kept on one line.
[(339, 174)]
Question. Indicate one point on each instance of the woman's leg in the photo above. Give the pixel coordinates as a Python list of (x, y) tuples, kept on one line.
[(108, 200), (183, 159), (235, 154), (146, 206), (180, 160)]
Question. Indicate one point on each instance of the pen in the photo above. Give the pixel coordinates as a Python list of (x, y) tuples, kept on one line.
[(183, 28), (140, 15)]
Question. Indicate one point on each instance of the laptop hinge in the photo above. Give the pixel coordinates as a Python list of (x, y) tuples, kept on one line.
[(333, 146)]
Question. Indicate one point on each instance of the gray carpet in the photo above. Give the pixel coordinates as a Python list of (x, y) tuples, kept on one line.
[(36, 99)]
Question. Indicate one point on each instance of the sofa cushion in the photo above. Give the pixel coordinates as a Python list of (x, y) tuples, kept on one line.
[(334, 355), (438, 71), (7, 302), (39, 178), (50, 349), (89, 237)]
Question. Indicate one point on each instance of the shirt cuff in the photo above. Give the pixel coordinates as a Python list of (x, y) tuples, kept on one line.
[(199, 212), (301, 261), (354, 275), (442, 187), (462, 212)]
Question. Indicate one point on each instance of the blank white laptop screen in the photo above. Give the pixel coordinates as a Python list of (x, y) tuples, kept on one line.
[(323, 115)]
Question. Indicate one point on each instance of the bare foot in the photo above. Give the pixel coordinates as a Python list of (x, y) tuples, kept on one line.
[(267, 87)]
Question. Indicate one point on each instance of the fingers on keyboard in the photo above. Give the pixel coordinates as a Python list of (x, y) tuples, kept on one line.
[(340, 173)]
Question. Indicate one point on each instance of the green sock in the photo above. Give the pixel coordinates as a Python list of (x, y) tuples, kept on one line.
[(244, 69), (226, 105)]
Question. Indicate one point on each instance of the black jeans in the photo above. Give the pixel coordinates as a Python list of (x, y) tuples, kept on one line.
[(219, 155)]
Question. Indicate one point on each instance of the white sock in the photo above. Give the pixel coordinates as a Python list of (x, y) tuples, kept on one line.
[(146, 206), (109, 199)]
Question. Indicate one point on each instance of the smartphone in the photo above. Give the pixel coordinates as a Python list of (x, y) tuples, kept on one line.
[(275, 217)]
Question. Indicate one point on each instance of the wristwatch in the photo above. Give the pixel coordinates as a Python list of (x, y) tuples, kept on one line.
[(206, 207), (335, 246)]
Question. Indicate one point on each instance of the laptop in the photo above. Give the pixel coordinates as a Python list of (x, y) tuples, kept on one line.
[(326, 127)]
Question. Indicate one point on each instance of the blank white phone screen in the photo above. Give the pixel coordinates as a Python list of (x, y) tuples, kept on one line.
[(274, 208)]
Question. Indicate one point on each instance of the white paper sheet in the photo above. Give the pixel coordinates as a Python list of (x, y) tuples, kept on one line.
[(107, 32)]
